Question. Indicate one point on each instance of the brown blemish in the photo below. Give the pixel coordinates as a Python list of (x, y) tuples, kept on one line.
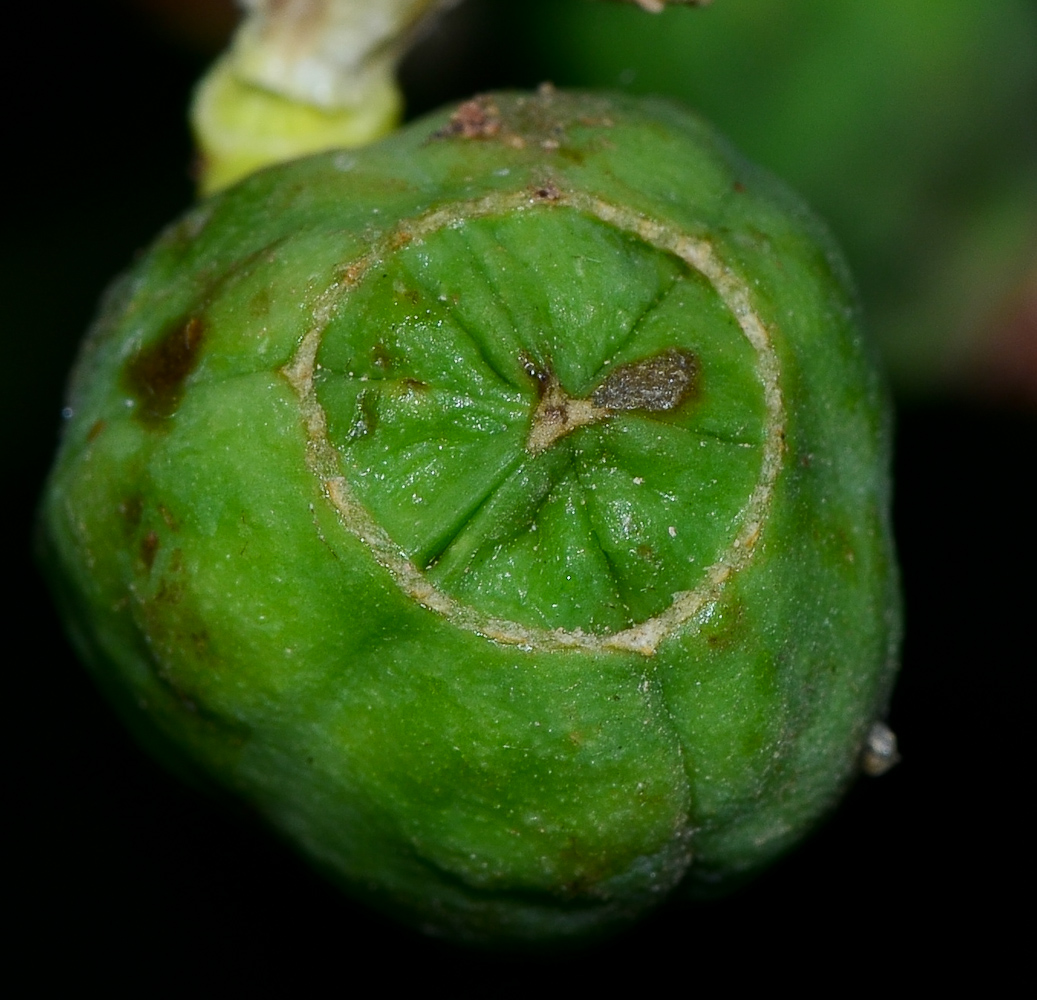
[(382, 358), (171, 589), (547, 192), (169, 592), (478, 118), (95, 430), (539, 120), (726, 628), (657, 384), (156, 374), (149, 546), (351, 275)]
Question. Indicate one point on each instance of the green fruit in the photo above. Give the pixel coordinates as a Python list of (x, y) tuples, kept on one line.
[(501, 511)]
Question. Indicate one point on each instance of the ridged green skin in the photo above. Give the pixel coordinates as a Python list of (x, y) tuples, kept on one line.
[(302, 366)]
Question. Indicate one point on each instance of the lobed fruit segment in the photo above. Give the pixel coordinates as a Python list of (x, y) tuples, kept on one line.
[(500, 510)]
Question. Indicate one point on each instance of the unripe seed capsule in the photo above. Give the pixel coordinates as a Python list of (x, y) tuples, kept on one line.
[(502, 510)]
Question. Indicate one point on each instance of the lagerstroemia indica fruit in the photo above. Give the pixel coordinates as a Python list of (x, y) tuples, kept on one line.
[(501, 511)]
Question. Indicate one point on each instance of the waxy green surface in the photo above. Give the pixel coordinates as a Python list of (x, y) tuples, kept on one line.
[(500, 511)]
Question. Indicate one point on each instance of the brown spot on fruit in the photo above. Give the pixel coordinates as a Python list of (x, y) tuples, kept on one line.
[(149, 546), (542, 120), (381, 357), (156, 374), (170, 592), (400, 239), (351, 276), (475, 119), (656, 384), (727, 626)]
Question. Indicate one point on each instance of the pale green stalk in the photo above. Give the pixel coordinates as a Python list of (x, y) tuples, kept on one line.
[(301, 76)]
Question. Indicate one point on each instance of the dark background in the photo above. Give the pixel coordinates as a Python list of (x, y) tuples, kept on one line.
[(118, 872)]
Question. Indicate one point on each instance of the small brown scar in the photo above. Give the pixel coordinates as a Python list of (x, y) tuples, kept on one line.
[(400, 239), (478, 118), (149, 546), (156, 374), (547, 192), (381, 357), (350, 276), (656, 384)]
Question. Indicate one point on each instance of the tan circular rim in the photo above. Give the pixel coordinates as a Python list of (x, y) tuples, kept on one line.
[(690, 606)]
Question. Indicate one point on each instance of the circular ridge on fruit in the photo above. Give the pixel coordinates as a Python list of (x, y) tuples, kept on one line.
[(462, 372)]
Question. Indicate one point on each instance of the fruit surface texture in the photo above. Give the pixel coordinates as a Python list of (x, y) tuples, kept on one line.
[(500, 511)]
